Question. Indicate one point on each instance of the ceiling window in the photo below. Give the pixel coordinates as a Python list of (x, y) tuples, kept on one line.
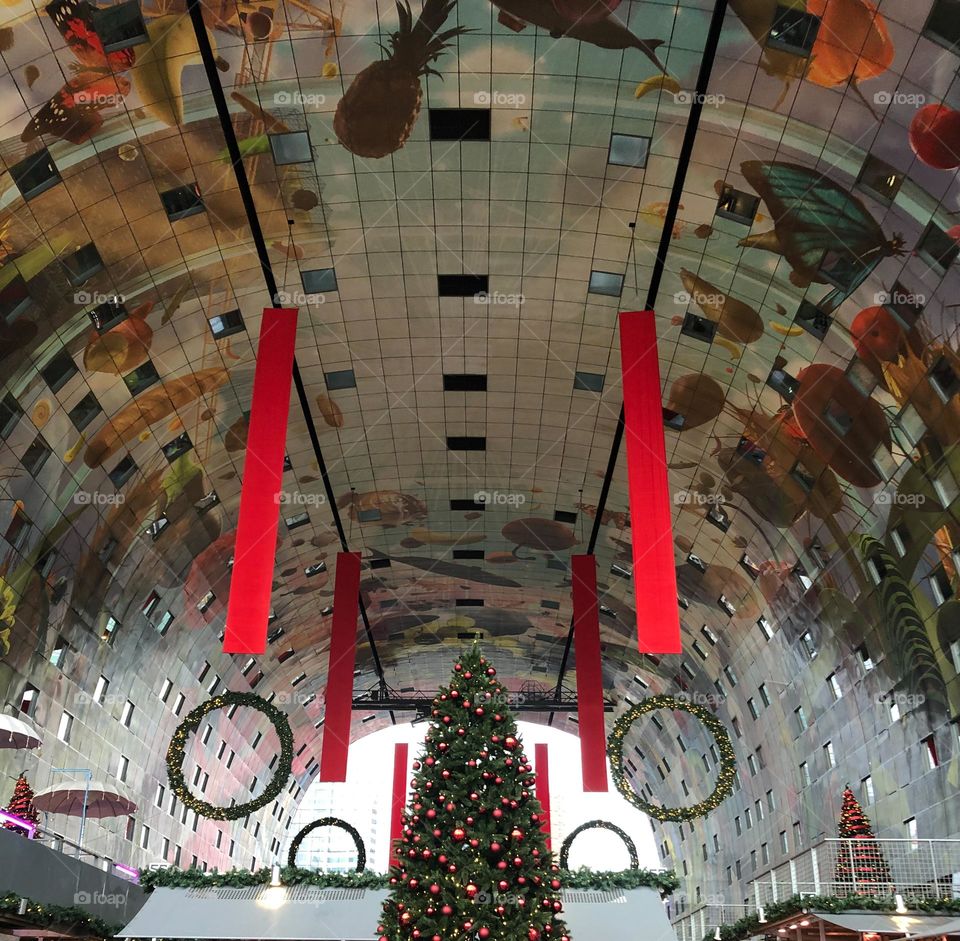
[(84, 411), (627, 150), (182, 201), (943, 23), (608, 283), (736, 205), (119, 27), (82, 265), (937, 248), (35, 174), (291, 147), (226, 325), (793, 30), (879, 179)]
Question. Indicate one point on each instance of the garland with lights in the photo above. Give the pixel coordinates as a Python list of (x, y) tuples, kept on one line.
[(176, 752), (66, 919), (725, 775), (329, 822), (599, 825)]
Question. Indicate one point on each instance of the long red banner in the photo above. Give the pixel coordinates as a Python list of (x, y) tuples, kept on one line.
[(343, 655), (542, 768), (654, 572), (399, 797), (248, 608), (586, 644)]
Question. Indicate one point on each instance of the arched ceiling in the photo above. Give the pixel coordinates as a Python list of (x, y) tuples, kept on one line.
[(535, 209)]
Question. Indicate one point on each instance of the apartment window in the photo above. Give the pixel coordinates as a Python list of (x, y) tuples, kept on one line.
[(109, 632), (130, 828), (834, 684), (753, 860), (730, 675), (752, 764), (123, 765), (28, 698), (178, 703), (894, 710), (158, 798), (65, 727), (784, 848), (866, 786), (176, 856), (930, 749), (764, 695), (739, 826), (219, 838), (59, 653), (165, 690), (126, 717), (940, 585), (808, 645), (729, 875), (164, 623), (764, 854), (748, 818), (207, 732), (737, 868), (165, 852), (911, 825), (829, 755), (797, 834), (100, 691), (865, 657), (804, 773), (801, 718), (771, 802)]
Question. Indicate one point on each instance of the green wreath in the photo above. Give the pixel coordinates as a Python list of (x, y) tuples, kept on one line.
[(599, 825), (176, 751), (329, 822), (725, 776)]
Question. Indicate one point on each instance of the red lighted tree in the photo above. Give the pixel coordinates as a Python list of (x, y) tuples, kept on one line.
[(21, 804), (472, 861), (859, 862)]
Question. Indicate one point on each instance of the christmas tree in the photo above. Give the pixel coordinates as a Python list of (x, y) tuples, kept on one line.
[(21, 804), (472, 861), (859, 863)]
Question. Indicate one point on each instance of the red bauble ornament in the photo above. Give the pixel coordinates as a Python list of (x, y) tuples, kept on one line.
[(491, 671), (431, 813), (447, 910), (498, 813), (459, 834), (471, 890), (483, 932), (533, 934), (458, 668), (494, 847), (434, 889)]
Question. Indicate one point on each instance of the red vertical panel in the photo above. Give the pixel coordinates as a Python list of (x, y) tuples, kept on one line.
[(343, 655), (399, 797), (542, 763), (248, 608), (654, 573), (586, 642)]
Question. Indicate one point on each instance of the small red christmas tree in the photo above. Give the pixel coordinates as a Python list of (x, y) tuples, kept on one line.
[(860, 863), (21, 804)]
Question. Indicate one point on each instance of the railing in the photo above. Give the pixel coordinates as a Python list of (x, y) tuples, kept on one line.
[(702, 921), (59, 843)]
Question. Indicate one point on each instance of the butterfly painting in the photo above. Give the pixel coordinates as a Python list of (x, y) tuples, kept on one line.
[(826, 235)]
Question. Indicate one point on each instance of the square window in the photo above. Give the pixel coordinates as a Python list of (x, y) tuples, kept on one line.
[(108, 314), (291, 147), (340, 379), (301, 519), (627, 150), (837, 417), (120, 26), (698, 328), (944, 379), (781, 381), (937, 249), (84, 411), (226, 325), (35, 456), (459, 124), (182, 201), (110, 627), (319, 280), (65, 727), (10, 415), (737, 206), (463, 285), (803, 476), (940, 585), (607, 283), (178, 447), (793, 30), (59, 370), (103, 684), (588, 381), (815, 321), (673, 419), (15, 299), (943, 23), (141, 378), (879, 179), (35, 174), (123, 472), (83, 264), (164, 623)]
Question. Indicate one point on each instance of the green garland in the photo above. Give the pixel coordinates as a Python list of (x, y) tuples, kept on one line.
[(725, 776), (750, 925), (329, 822), (68, 919), (598, 825), (176, 751), (170, 877)]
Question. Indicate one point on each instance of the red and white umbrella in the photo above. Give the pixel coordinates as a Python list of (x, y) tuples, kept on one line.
[(69, 797), (15, 733)]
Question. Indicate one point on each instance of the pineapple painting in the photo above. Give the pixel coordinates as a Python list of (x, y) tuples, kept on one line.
[(376, 115)]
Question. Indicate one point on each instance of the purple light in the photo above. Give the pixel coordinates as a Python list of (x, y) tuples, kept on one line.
[(28, 825), (133, 874)]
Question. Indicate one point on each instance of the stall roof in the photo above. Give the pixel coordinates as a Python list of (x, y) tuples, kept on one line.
[(309, 913), (913, 925)]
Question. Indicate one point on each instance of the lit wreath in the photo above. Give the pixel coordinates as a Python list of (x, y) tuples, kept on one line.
[(176, 751), (329, 822), (725, 776), (599, 825)]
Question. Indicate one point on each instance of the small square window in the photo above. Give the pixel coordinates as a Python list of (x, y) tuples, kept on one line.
[(84, 411), (944, 379), (59, 370), (123, 471), (83, 264), (110, 627), (588, 381), (35, 174), (940, 585), (793, 30), (178, 447), (204, 603), (369, 515), (699, 328), (10, 415), (108, 314), (291, 147), (803, 476), (906, 306), (781, 381), (319, 280), (15, 299), (141, 378), (65, 727), (937, 249), (837, 417), (340, 379), (736, 205), (120, 26), (815, 321), (627, 150), (879, 179), (226, 325), (943, 23), (459, 124), (607, 283), (182, 201), (164, 623), (673, 419), (301, 519), (35, 456)]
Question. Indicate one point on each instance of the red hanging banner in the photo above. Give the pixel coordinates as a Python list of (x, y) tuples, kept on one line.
[(542, 768), (399, 797), (248, 608), (654, 571), (343, 655), (586, 645)]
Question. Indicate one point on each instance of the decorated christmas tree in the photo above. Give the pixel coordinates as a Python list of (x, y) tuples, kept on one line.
[(472, 861), (21, 803), (859, 863)]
